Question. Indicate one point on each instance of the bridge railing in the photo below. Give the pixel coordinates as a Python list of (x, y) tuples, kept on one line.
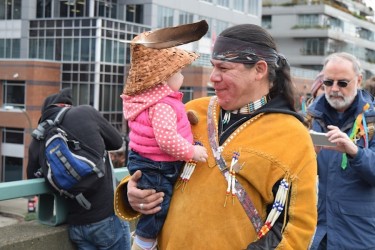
[(51, 206)]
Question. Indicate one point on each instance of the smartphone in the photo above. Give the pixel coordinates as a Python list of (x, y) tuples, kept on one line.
[(321, 139)]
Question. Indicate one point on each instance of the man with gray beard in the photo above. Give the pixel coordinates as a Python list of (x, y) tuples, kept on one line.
[(346, 171)]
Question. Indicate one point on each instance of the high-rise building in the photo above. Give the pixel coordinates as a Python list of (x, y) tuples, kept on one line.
[(306, 31), (46, 45)]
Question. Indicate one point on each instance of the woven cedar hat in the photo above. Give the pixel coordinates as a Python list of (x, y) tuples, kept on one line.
[(154, 57)]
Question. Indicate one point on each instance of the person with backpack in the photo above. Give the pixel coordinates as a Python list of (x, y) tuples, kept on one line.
[(95, 226), (346, 206)]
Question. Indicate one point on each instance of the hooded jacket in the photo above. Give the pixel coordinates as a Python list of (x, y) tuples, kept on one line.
[(96, 132), (346, 205)]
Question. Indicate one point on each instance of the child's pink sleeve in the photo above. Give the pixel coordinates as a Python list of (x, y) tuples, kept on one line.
[(164, 122)]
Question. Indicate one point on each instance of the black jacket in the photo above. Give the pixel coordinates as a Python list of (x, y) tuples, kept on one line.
[(95, 131)]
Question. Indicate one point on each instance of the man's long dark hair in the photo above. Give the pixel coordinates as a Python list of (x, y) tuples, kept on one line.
[(278, 74)]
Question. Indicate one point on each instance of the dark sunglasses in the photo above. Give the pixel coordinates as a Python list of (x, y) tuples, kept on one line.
[(340, 83)]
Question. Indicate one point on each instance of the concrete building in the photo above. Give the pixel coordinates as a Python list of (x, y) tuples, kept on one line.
[(309, 30), (46, 45)]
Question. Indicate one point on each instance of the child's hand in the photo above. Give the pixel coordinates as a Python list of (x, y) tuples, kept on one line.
[(200, 153)]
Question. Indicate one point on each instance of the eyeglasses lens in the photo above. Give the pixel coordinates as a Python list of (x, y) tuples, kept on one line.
[(340, 83)]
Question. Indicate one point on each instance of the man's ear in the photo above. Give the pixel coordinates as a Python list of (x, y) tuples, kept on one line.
[(261, 68), (359, 82)]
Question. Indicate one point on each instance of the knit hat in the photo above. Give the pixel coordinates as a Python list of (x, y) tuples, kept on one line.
[(316, 84), (151, 64)]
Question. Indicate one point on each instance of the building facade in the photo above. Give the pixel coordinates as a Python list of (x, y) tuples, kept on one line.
[(46, 45), (309, 30)]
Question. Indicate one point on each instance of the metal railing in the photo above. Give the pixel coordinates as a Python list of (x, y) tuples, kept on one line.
[(51, 206)]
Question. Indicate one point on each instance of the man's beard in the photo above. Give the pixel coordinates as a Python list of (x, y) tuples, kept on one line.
[(341, 103)]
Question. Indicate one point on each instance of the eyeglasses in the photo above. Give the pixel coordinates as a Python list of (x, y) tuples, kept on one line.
[(340, 83)]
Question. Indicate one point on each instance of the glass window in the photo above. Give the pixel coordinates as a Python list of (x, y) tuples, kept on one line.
[(108, 50), (76, 51), (41, 48), (334, 23), (315, 46), (365, 34), (224, 3), (16, 9), (50, 49), (79, 8), (10, 9), (85, 49), (58, 49), (84, 97), (308, 20), (3, 6), (185, 17), (349, 29), (121, 53), (134, 13), (2, 47), (115, 51), (188, 94), (210, 91), (65, 7), (165, 17), (43, 8), (33, 48), (267, 21), (16, 48), (12, 168), (239, 5), (370, 55), (104, 101), (8, 48), (254, 7), (67, 49), (104, 8), (14, 94), (13, 135)]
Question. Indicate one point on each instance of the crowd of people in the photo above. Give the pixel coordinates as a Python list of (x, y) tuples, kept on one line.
[(254, 179)]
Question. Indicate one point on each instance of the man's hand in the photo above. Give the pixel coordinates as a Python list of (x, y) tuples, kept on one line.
[(144, 201), (343, 143)]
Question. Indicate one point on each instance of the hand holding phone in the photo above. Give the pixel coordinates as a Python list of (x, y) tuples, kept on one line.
[(320, 139)]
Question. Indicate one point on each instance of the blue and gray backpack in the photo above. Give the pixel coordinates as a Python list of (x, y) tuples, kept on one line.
[(69, 166)]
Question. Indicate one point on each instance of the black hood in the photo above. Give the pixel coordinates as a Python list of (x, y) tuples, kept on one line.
[(49, 108), (279, 104)]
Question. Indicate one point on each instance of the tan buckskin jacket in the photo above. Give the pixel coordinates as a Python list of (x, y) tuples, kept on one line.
[(272, 146)]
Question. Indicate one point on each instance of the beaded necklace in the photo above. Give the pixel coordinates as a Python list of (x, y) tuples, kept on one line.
[(247, 109), (240, 115)]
